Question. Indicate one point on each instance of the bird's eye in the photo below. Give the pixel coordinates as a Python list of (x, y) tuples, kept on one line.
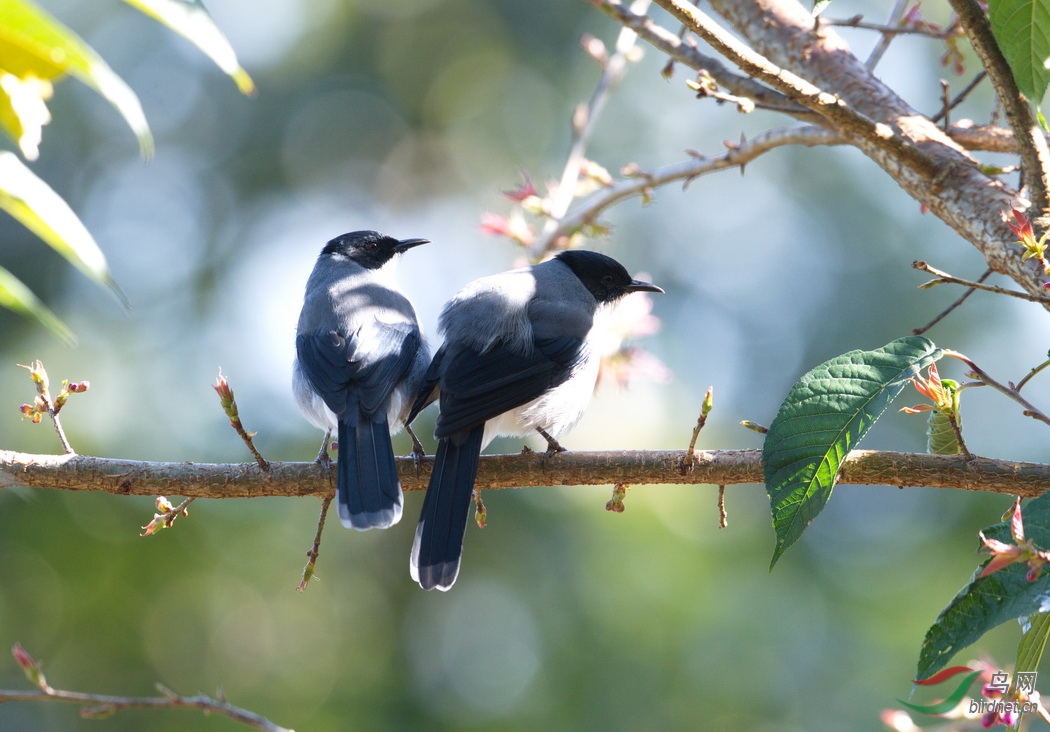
[(373, 246), (607, 280)]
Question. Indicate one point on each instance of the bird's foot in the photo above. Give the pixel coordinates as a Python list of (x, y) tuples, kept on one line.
[(553, 446), (323, 458), (418, 453)]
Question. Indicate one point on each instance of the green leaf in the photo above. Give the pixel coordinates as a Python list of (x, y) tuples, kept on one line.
[(986, 602), (190, 20), (15, 296), (42, 211), (823, 417), (1033, 642), (1022, 30), (34, 44)]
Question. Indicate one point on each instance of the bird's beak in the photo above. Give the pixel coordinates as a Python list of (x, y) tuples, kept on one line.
[(405, 244), (639, 286)]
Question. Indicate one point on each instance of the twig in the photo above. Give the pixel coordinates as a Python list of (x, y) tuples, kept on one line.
[(944, 313), (945, 278), (959, 98), (613, 69), (888, 34), (890, 29), (690, 452), (45, 404), (315, 550), (687, 54), (723, 517), (640, 184), (1035, 370), (229, 405), (1030, 410), (103, 705)]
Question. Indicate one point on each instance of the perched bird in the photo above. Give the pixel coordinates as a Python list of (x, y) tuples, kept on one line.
[(516, 358), (360, 359)]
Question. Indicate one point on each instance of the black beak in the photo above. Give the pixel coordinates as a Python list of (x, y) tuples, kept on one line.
[(638, 286), (405, 244)]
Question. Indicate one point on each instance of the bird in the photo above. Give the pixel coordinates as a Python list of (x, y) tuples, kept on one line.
[(516, 358), (360, 358)]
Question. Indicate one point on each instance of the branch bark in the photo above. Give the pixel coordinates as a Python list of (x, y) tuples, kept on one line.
[(812, 66), (630, 467)]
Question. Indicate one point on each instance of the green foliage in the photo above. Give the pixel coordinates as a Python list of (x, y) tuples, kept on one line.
[(35, 51), (1022, 30), (986, 602), (822, 418)]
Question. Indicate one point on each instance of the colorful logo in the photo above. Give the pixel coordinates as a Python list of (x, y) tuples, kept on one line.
[(998, 708), (953, 699)]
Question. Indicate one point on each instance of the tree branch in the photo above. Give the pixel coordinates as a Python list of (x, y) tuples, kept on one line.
[(814, 67), (1035, 157), (101, 705), (630, 467)]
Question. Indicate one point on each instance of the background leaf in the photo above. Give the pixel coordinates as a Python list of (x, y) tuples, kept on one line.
[(1022, 30), (986, 602), (42, 211), (192, 22), (15, 296), (34, 44), (823, 417)]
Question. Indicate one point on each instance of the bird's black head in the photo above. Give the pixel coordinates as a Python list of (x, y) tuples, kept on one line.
[(370, 249), (603, 276)]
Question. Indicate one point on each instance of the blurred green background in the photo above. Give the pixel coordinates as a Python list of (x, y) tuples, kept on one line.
[(410, 117)]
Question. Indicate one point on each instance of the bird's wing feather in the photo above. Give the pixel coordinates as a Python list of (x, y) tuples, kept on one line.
[(373, 359), (476, 387)]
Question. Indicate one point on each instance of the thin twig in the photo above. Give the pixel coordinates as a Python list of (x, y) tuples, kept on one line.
[(723, 517), (229, 406), (690, 452), (888, 34), (945, 278), (641, 184), (315, 550), (944, 313), (613, 69), (959, 98), (103, 705), (1035, 370), (1030, 410)]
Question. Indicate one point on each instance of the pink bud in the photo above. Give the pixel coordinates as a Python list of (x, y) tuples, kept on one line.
[(22, 657)]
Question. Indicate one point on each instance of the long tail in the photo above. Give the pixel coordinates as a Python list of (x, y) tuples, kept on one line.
[(369, 491), (438, 546)]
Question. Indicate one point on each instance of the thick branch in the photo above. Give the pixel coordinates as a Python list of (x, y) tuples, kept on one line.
[(829, 80), (1033, 149), (720, 467)]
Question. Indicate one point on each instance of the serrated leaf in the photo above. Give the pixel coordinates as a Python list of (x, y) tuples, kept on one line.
[(941, 438), (191, 21), (1033, 642), (33, 202), (1022, 30), (986, 602), (823, 417), (15, 296), (35, 45)]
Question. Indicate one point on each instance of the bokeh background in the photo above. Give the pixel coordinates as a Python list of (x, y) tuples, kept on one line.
[(411, 117)]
